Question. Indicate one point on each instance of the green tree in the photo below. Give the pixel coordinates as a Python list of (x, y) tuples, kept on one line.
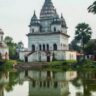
[(8, 40), (74, 45), (91, 47), (83, 34), (20, 45), (12, 47), (92, 8)]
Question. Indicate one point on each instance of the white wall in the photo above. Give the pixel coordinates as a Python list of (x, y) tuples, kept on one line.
[(71, 55), (64, 42), (36, 29), (59, 55), (64, 30), (44, 39), (22, 55), (58, 28), (37, 56)]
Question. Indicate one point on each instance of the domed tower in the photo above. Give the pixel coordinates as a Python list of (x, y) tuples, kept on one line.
[(63, 25), (1, 35), (46, 15), (34, 24), (56, 23)]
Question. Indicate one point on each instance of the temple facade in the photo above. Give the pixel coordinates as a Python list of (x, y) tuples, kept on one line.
[(4, 50), (48, 38)]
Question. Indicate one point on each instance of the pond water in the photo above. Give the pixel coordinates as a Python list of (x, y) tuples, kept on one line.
[(47, 83)]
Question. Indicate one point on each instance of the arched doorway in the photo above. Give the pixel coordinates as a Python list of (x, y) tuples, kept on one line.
[(54, 46), (43, 47), (26, 59), (54, 29), (47, 47), (33, 48), (40, 47), (48, 58)]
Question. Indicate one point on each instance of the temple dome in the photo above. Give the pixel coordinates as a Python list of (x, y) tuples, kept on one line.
[(34, 20), (48, 10)]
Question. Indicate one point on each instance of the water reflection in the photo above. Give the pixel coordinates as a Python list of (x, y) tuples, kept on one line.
[(47, 83)]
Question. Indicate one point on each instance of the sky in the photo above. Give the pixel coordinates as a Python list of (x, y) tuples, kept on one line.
[(15, 16)]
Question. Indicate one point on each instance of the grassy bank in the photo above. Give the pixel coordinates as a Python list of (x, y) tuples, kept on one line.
[(62, 62), (73, 65), (7, 64), (62, 65), (57, 65)]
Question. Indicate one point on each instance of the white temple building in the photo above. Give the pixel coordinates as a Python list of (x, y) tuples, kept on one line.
[(48, 38), (4, 50)]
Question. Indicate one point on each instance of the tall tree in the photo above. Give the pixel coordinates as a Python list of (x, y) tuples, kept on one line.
[(8, 39), (83, 34), (12, 47), (92, 8)]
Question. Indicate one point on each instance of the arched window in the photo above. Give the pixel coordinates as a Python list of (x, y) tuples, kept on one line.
[(54, 29), (43, 47), (40, 47), (55, 47), (47, 47), (32, 30), (33, 48)]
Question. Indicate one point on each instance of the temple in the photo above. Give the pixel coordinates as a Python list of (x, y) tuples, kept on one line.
[(48, 37)]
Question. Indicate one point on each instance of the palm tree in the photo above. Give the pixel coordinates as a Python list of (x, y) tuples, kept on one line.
[(92, 8), (83, 34)]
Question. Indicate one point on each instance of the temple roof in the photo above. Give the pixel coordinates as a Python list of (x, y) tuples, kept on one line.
[(34, 17), (34, 20), (48, 10)]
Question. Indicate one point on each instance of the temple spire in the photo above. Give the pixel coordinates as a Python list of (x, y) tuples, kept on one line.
[(48, 10)]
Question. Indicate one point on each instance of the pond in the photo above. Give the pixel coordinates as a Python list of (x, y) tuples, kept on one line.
[(47, 83)]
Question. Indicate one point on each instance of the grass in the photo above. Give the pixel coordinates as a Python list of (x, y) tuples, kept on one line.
[(62, 62)]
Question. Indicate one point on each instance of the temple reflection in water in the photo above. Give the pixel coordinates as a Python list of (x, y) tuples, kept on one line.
[(48, 83)]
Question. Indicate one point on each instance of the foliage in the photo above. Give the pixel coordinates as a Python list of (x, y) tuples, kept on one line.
[(7, 64), (62, 62), (92, 8), (74, 45), (91, 47), (8, 39), (82, 35), (12, 47)]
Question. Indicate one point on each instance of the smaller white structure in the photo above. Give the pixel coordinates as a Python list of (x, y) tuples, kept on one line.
[(4, 50)]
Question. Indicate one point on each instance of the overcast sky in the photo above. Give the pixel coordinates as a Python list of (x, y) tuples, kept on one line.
[(15, 16)]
